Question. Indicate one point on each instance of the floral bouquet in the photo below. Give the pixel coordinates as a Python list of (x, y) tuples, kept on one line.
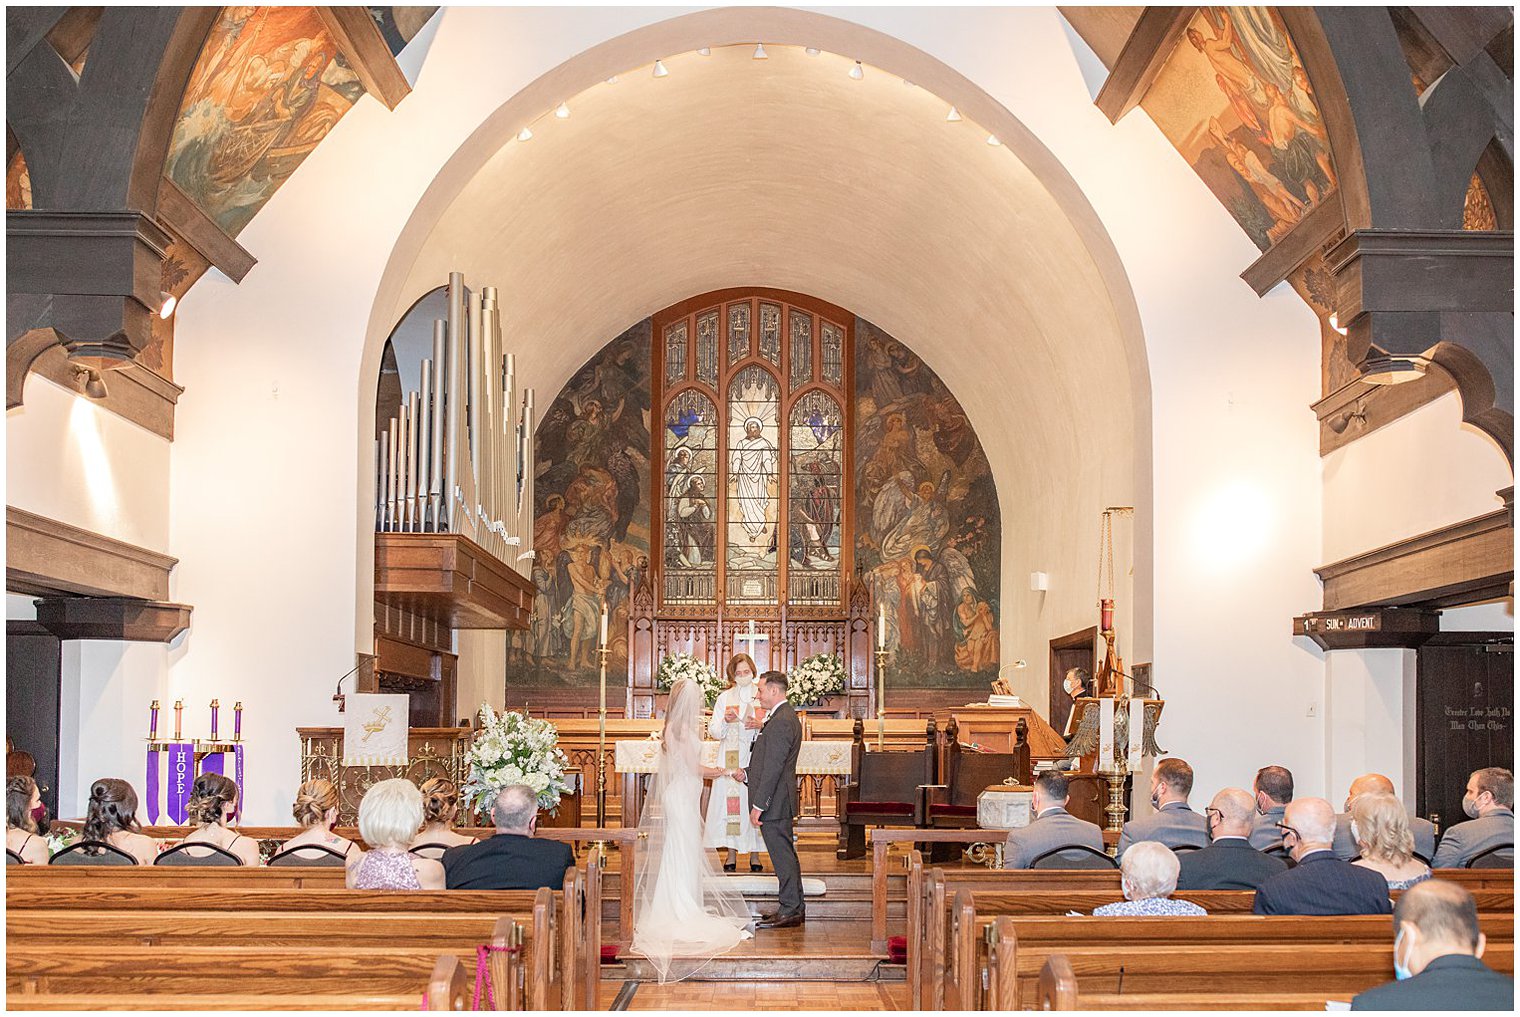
[(676, 666), (61, 837), (819, 676), (512, 748)]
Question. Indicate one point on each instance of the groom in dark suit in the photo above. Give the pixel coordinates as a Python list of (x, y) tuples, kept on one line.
[(772, 780)]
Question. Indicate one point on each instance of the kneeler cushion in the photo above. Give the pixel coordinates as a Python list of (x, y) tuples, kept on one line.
[(897, 950)]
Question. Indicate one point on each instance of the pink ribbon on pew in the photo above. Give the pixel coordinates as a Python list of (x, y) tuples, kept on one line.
[(483, 972)]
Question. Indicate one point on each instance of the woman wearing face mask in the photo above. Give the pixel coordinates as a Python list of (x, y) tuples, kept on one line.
[(734, 726), (213, 802), (23, 811), (1380, 828)]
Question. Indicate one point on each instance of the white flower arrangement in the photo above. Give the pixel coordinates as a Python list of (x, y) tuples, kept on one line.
[(820, 675), (60, 838), (677, 666), (512, 748)]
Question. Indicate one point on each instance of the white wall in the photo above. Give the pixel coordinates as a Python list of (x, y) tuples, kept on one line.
[(69, 460), (266, 522), (107, 687)]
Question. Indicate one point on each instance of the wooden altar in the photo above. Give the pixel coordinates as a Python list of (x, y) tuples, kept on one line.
[(431, 752)]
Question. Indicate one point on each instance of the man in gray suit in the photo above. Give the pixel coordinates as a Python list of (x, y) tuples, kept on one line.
[(1436, 950), (1173, 823), (1377, 784), (1274, 790), (1490, 807), (772, 780), (1052, 828)]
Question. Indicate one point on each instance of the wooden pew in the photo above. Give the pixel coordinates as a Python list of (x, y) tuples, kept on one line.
[(885, 787), (446, 985)]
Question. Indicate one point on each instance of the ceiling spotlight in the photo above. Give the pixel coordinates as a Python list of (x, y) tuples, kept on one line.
[(1335, 324), (168, 305), (857, 72), (811, 51), (659, 69), (524, 135), (907, 82), (760, 53), (953, 117), (563, 112), (612, 80), (705, 51), (993, 140), (90, 382), (1384, 369)]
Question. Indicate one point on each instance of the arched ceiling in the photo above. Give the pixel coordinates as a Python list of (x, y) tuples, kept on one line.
[(787, 172)]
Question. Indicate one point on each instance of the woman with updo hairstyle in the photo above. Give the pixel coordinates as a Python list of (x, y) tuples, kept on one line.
[(213, 800), (111, 816), (23, 809), (440, 808), (316, 811), (1380, 828)]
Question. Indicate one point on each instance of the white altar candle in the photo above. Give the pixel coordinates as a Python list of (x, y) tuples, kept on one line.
[(604, 625), (881, 628), (1105, 763)]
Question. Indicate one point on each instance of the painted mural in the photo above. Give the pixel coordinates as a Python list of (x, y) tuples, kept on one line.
[(269, 84), (591, 527), (18, 183), (1235, 101), (928, 536)]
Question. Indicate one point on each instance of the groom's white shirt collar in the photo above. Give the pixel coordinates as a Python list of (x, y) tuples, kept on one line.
[(771, 712)]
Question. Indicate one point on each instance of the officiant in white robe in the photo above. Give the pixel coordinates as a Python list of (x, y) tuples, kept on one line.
[(728, 825)]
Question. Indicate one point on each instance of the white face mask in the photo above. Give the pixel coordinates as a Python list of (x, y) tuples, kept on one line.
[(1470, 806), (743, 677), (1356, 835)]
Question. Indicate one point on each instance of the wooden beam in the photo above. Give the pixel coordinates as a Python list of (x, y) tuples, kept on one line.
[(118, 618), (1146, 51), (191, 223), (1458, 564), (359, 38), (1381, 627), (44, 555), (1325, 222), (25, 27)]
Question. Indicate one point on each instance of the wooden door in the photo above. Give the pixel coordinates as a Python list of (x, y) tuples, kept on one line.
[(1076, 650), (33, 680), (1464, 717)]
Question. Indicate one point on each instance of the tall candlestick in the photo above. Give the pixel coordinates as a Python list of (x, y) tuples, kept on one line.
[(179, 709), (153, 722), (237, 721), (214, 705), (604, 624), (881, 628)]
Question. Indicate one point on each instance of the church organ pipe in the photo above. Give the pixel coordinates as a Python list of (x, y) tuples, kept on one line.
[(457, 448), (440, 390), (425, 447), (380, 522), (393, 483)]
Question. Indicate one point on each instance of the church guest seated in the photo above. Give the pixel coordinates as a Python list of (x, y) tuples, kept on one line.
[(1320, 884), (1380, 827), (1149, 879), (1490, 807), (389, 815), (213, 803), (1229, 862), (440, 809), (1436, 957), (316, 810), (1052, 828), (23, 810), (1173, 823), (1274, 790), (512, 859), (1423, 831), (111, 817)]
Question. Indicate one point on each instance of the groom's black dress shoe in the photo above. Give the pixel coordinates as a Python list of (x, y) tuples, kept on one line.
[(782, 921)]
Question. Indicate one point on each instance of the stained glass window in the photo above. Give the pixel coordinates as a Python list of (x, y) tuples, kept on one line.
[(675, 353), (690, 437), (707, 348), (754, 478), (801, 351), (770, 332), (833, 353), (815, 440), (738, 333)]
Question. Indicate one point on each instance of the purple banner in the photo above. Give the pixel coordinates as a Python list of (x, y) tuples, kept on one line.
[(181, 777), (152, 792), (212, 763), (237, 756)]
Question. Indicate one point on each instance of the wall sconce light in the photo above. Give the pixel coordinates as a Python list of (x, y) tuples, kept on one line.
[(1039, 582), (1357, 414), (90, 382), (167, 307)]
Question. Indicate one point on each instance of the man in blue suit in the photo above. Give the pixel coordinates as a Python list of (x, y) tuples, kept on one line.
[(1436, 952), (1321, 884)]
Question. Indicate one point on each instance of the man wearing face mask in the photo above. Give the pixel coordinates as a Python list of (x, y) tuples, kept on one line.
[(1229, 862), (1320, 884), (1273, 788), (1436, 951), (1377, 784), (1052, 827), (1490, 807), (1173, 823)]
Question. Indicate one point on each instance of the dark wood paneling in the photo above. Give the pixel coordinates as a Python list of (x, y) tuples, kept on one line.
[(118, 618), (1385, 627), (1079, 649), (33, 681), (1464, 709), (452, 579)]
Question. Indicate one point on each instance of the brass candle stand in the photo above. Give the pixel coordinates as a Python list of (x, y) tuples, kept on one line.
[(601, 753), (881, 698)]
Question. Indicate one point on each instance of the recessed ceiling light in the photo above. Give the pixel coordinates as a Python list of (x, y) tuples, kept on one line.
[(524, 135), (659, 69), (705, 51), (760, 53), (953, 117), (563, 112), (992, 140), (857, 72), (612, 80)]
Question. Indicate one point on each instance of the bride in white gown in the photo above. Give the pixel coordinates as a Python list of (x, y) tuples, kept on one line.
[(683, 916)]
